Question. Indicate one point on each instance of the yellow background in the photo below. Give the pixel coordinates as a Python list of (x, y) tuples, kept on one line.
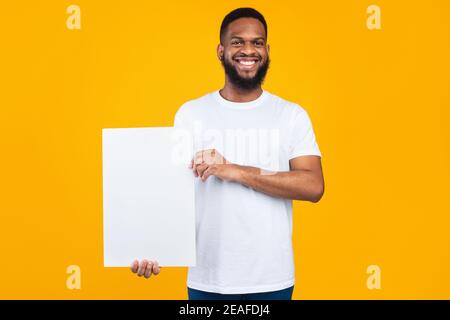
[(379, 102)]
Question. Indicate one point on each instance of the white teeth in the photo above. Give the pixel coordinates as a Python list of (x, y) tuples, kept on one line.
[(247, 63)]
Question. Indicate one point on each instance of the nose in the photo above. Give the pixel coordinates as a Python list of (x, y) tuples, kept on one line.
[(248, 48)]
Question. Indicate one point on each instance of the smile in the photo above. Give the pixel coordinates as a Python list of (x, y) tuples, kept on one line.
[(246, 63)]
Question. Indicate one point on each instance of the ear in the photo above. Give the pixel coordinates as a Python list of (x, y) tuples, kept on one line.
[(220, 51), (268, 48)]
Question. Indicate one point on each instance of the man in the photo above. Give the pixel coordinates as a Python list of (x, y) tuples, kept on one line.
[(255, 153)]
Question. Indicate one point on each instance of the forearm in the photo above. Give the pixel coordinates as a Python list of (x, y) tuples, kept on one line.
[(296, 184)]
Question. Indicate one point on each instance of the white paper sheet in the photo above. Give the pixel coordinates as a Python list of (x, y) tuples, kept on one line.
[(148, 197)]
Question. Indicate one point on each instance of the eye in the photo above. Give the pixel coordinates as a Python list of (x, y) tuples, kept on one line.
[(259, 43), (236, 42)]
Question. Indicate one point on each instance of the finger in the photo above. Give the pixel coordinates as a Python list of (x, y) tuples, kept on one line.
[(194, 170), (148, 270), (207, 173), (209, 156), (198, 160), (198, 157), (134, 266), (142, 267), (201, 168), (192, 166), (156, 269)]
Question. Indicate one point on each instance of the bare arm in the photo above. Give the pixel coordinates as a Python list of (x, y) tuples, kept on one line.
[(303, 182)]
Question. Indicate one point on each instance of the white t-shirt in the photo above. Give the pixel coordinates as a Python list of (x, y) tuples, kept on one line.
[(244, 237)]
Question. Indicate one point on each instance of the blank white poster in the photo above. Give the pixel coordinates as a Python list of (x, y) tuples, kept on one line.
[(148, 197)]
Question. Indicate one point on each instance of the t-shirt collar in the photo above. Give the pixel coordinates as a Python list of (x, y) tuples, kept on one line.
[(240, 105)]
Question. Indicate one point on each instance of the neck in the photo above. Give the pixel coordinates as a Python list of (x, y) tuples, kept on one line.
[(232, 93)]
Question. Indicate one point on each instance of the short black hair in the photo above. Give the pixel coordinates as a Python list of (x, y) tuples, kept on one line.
[(241, 13)]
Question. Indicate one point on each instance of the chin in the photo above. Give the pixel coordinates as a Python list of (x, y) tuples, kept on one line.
[(247, 76)]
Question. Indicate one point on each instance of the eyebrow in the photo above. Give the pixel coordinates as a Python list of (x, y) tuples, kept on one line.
[(254, 39)]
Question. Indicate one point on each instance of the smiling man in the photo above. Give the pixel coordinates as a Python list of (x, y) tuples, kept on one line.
[(256, 152)]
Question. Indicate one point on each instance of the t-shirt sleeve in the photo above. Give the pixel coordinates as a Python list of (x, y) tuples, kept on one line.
[(178, 120), (302, 137), (182, 135), (182, 119)]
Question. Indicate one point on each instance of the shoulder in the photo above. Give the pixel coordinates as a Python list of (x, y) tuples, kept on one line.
[(292, 109), (192, 106)]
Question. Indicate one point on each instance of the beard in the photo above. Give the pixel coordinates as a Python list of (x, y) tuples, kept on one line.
[(245, 83)]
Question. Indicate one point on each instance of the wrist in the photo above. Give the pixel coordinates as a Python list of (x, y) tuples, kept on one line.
[(235, 171)]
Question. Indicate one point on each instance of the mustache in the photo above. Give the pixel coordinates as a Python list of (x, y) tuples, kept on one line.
[(243, 55)]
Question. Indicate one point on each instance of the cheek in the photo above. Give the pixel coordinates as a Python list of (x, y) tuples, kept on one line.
[(264, 54), (229, 54)]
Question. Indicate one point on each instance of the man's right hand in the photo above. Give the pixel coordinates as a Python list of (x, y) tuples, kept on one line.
[(145, 268)]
